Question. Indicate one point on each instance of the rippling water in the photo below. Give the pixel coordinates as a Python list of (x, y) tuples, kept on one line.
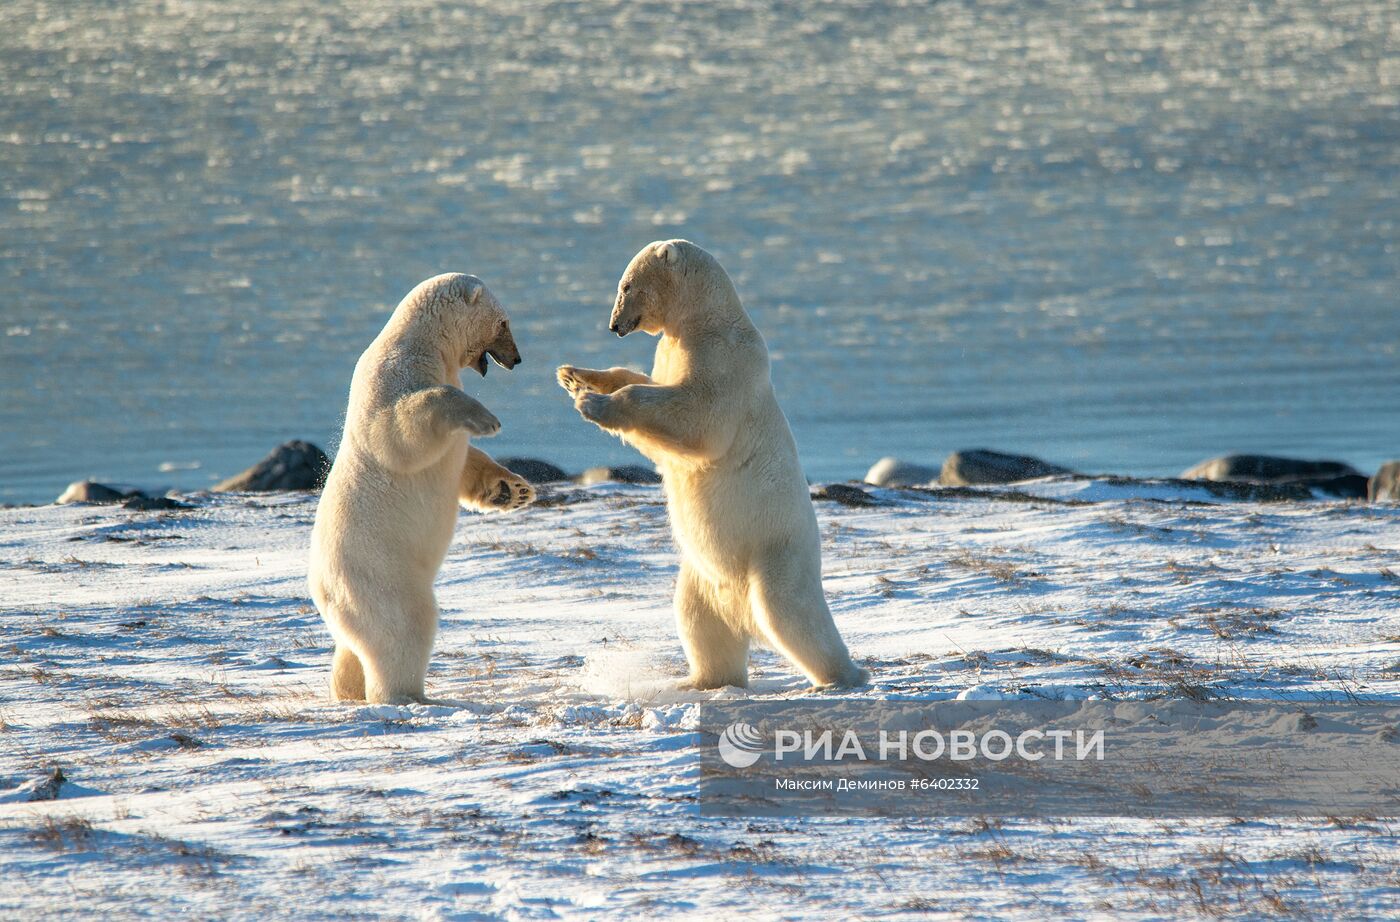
[(1122, 236)]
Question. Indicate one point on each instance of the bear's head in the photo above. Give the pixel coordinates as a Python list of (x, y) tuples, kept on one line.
[(486, 332), (663, 285), (466, 320)]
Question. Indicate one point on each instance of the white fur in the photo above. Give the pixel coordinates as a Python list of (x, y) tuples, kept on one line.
[(386, 517), (739, 505)]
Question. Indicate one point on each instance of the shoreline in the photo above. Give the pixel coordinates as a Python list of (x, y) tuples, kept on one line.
[(302, 466)]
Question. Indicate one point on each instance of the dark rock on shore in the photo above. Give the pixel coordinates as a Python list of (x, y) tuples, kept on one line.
[(980, 465), (1266, 469), (534, 470), (295, 465), (90, 491), (1245, 491), (1120, 488), (144, 503), (1348, 486), (1335, 478), (1385, 485), (892, 472), (626, 473), (844, 493)]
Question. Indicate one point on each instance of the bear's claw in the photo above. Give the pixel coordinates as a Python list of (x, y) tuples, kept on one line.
[(482, 422), (570, 381)]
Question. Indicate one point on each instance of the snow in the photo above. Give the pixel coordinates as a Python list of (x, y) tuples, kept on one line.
[(171, 665)]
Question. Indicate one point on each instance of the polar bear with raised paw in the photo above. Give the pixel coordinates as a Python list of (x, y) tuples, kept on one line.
[(405, 462), (738, 501)]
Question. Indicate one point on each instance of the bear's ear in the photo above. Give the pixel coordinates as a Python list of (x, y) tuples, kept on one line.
[(666, 252), (474, 292)]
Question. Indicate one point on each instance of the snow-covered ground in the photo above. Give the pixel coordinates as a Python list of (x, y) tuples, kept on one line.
[(171, 666)]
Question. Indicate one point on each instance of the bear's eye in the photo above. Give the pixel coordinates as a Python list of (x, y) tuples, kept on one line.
[(626, 288)]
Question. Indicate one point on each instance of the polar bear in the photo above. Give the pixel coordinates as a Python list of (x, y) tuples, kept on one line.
[(739, 506), (389, 505)]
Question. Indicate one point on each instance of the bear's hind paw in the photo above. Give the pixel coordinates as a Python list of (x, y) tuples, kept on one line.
[(855, 677)]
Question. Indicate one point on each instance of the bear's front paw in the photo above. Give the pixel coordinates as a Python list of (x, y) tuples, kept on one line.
[(481, 422), (594, 408), (571, 379), (510, 493)]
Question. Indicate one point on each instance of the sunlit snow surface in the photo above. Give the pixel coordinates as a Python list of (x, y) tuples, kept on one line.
[(1124, 236), (171, 666)]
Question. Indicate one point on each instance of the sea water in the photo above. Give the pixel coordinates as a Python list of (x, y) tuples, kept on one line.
[(1123, 236)]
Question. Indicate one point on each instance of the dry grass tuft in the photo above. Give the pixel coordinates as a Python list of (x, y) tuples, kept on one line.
[(1000, 570), (997, 854), (61, 834)]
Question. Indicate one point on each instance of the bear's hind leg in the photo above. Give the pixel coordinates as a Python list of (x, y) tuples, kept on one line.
[(347, 675), (790, 611), (396, 659), (395, 677), (717, 651)]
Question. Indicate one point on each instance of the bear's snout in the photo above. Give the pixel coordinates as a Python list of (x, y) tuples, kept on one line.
[(504, 350), (619, 323)]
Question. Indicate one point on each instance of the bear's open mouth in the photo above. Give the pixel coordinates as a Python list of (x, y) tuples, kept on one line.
[(481, 364)]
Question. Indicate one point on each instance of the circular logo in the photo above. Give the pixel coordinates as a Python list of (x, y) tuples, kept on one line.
[(740, 745)]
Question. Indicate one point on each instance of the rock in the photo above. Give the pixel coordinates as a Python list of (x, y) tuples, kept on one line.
[(892, 472), (1236, 490), (534, 470), (293, 465), (1267, 469), (979, 465), (1385, 486), (89, 491), (143, 503), (845, 494), (626, 473), (1334, 478), (48, 788), (1347, 486)]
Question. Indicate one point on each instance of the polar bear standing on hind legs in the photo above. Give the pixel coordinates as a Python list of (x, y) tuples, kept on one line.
[(738, 500), (405, 461)]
